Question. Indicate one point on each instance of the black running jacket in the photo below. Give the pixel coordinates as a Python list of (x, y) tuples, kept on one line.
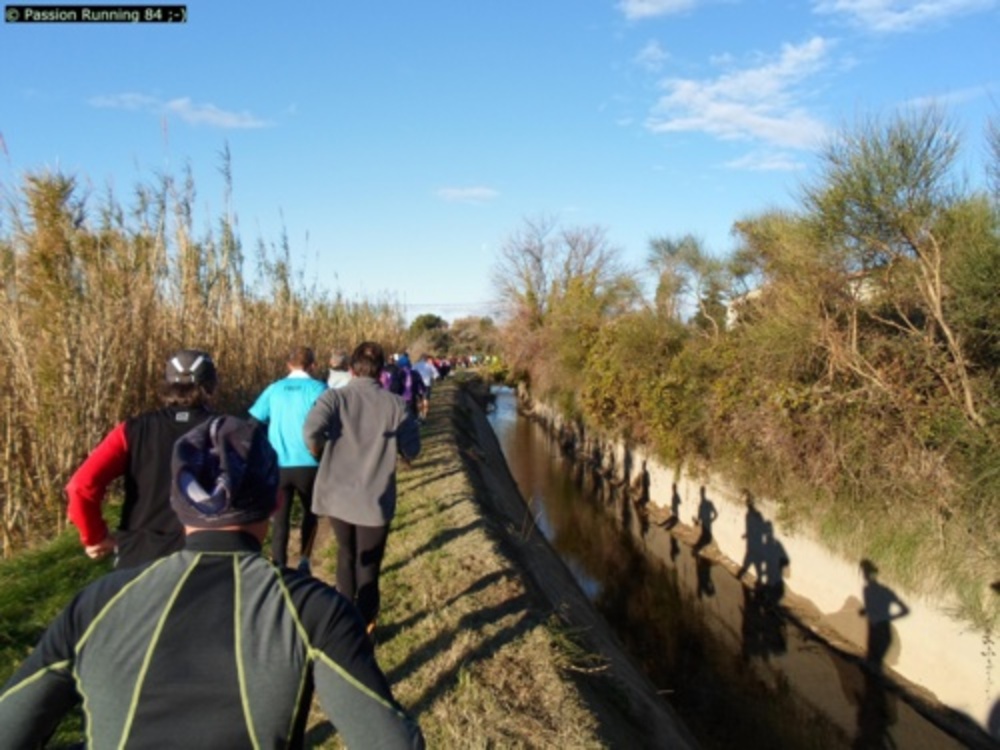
[(210, 647)]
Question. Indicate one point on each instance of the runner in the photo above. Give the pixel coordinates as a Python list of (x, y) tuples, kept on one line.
[(405, 382), (139, 450), (428, 372), (283, 406), (356, 432), (339, 373)]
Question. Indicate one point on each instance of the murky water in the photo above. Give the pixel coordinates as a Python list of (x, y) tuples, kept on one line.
[(739, 675)]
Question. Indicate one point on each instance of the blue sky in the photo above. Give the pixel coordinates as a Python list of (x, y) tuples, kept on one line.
[(399, 143)]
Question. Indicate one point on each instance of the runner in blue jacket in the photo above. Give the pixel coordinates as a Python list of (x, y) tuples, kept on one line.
[(283, 406)]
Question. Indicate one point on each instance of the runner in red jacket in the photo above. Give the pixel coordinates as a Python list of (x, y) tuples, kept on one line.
[(139, 449)]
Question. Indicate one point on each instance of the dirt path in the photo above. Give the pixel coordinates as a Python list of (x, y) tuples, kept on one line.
[(484, 634)]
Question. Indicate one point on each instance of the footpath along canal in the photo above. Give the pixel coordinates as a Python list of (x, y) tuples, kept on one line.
[(738, 672), (483, 633)]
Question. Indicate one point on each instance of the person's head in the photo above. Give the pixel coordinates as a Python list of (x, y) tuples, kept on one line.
[(301, 358), (868, 569), (189, 380), (368, 359), (224, 475), (340, 360)]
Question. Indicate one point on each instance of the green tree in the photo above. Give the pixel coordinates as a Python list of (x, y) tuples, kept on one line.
[(426, 323), (473, 335), (690, 282), (429, 334), (884, 195)]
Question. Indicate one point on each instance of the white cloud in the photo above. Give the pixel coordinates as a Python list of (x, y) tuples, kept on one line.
[(635, 9), (721, 61), (183, 107), (949, 98), (477, 194), (757, 103), (890, 16), (124, 101), (652, 56), (766, 161)]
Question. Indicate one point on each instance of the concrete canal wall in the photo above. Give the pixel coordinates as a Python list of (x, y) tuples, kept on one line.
[(931, 652)]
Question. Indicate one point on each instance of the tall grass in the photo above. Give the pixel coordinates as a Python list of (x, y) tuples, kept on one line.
[(95, 294)]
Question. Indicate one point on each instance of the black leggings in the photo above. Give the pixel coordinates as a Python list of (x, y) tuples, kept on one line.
[(359, 561), (294, 481)]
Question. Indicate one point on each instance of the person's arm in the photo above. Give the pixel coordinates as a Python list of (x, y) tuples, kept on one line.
[(408, 438), (353, 690), (87, 487), (41, 692), (315, 430), (261, 409), (901, 609)]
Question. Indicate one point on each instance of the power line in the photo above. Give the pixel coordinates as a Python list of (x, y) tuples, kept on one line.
[(452, 305)]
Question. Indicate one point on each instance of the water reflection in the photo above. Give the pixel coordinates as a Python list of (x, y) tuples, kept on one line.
[(763, 629), (739, 673)]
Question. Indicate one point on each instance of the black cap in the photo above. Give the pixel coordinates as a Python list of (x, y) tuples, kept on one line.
[(224, 472), (191, 366)]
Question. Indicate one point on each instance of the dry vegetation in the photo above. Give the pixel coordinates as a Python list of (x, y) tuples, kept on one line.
[(96, 294)]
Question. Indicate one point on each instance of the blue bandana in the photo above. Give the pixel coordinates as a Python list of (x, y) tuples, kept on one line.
[(224, 473)]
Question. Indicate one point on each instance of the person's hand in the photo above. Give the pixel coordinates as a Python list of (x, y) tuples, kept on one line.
[(102, 549)]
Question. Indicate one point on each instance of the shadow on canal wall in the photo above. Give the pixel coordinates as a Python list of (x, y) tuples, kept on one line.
[(903, 637)]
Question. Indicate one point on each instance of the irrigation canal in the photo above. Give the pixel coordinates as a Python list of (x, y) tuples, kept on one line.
[(739, 675)]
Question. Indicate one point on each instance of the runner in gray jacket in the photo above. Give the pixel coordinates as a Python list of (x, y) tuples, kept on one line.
[(356, 433)]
